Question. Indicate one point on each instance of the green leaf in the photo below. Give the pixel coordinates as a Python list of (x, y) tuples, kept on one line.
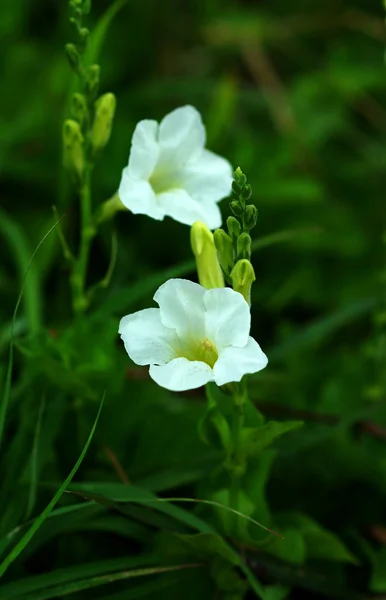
[(378, 574), (254, 440), (100, 31), (325, 545), (34, 461), (43, 516), (292, 548)]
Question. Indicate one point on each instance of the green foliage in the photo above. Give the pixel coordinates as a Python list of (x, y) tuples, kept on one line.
[(294, 93)]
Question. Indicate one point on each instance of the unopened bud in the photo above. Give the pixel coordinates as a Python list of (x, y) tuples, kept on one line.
[(83, 38), (79, 108), (73, 56), (250, 217), (73, 156), (208, 268), (104, 114), (234, 228), (244, 246), (246, 192), (236, 208), (239, 176), (242, 277), (224, 247), (92, 80), (236, 187)]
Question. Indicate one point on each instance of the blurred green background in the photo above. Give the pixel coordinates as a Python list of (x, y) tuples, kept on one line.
[(294, 93)]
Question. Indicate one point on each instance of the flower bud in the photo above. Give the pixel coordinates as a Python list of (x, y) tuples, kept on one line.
[(239, 176), (224, 247), (236, 208), (73, 156), (236, 187), (79, 108), (246, 192), (73, 56), (83, 37), (104, 114), (244, 246), (234, 228), (242, 277), (92, 80), (250, 217), (208, 268)]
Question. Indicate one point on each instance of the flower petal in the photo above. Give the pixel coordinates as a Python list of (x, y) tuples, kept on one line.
[(209, 177), (233, 363), (182, 374), (147, 341), (182, 307), (138, 196), (181, 135), (178, 205), (145, 150), (227, 319)]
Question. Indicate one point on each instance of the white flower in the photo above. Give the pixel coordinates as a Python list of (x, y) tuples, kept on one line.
[(195, 336), (171, 174)]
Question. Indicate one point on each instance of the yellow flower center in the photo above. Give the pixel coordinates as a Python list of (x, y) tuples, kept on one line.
[(202, 350)]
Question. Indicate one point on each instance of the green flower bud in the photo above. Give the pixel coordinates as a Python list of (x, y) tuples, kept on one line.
[(208, 268), (224, 247), (92, 80), (244, 246), (236, 208), (104, 114), (83, 38), (236, 187), (246, 192), (234, 228), (250, 217), (73, 156), (73, 56), (79, 108), (242, 277), (239, 176)]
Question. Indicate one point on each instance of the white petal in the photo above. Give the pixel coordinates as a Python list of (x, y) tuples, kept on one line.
[(138, 196), (182, 374), (209, 177), (181, 135), (227, 319), (182, 308), (147, 341), (144, 151), (178, 205), (233, 363)]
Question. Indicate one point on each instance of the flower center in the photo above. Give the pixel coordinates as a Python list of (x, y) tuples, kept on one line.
[(163, 180), (203, 351)]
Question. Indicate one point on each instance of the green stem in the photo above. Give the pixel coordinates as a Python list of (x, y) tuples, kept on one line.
[(238, 461), (78, 279)]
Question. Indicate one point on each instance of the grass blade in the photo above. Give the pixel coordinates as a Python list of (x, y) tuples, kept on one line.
[(8, 380), (34, 461), (38, 583), (43, 516), (92, 582)]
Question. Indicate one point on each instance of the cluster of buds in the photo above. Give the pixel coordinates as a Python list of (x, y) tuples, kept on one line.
[(234, 247), (88, 130)]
